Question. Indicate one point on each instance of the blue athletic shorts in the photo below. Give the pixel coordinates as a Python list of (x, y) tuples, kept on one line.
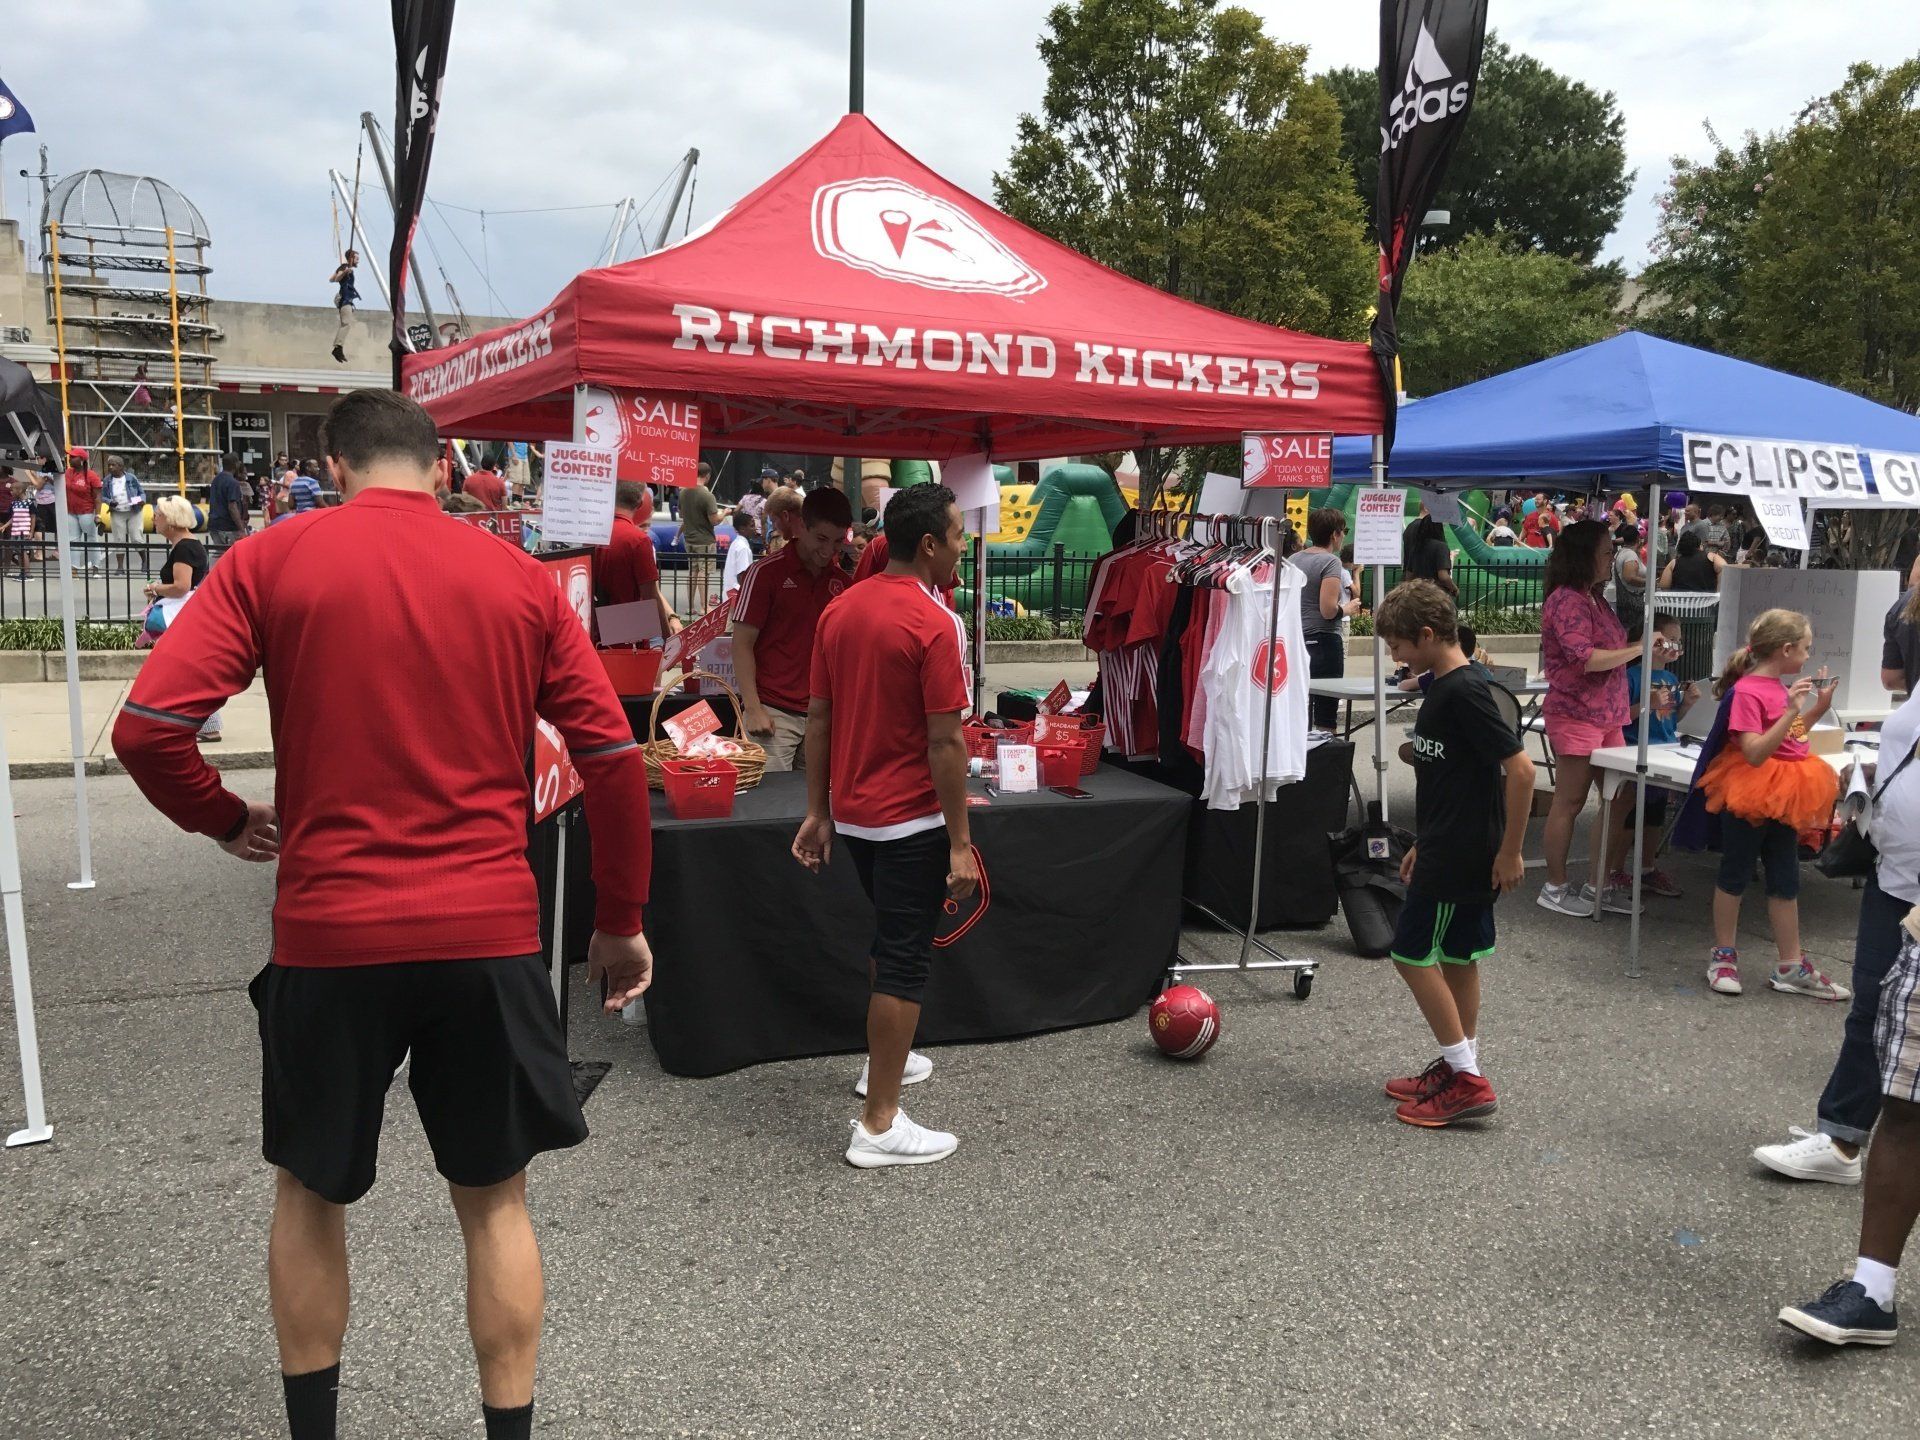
[(1432, 930)]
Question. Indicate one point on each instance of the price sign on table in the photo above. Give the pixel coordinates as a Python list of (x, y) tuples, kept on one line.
[(1783, 520), (696, 637), (690, 724)]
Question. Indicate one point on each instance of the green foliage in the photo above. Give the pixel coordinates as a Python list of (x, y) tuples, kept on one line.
[(1694, 287), (1179, 144), (44, 634), (1830, 287), (1485, 619), (1485, 307), (1020, 627), (1543, 158)]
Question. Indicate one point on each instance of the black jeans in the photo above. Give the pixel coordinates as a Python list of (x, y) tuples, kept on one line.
[(1851, 1102), (1772, 844), (1326, 660)]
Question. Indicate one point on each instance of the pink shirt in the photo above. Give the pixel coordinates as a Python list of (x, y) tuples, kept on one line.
[(1572, 626), (1758, 702)]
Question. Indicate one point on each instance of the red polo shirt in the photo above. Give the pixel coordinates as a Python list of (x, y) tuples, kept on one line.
[(83, 492), (400, 737), (626, 568), (889, 654), (486, 487), (780, 599)]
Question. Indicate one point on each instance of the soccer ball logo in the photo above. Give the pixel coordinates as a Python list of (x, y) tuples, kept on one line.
[(898, 231), (1184, 1022), (1270, 665)]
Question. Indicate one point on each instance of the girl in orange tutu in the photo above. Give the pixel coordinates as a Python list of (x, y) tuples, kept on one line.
[(1767, 786)]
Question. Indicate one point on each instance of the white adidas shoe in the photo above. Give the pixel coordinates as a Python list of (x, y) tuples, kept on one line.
[(1810, 1156), (919, 1067), (904, 1143)]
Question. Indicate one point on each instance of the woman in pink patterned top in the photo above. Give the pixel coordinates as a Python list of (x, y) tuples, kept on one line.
[(1584, 652)]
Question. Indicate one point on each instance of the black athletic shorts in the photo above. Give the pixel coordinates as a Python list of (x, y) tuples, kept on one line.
[(1431, 930), (489, 1070), (907, 881)]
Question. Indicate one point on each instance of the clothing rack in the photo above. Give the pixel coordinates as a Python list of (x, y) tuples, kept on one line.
[(1265, 531)]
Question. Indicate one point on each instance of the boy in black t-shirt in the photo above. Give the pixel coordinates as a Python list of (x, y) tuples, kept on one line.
[(1466, 853)]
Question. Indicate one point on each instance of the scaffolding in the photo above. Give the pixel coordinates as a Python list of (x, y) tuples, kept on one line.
[(125, 258)]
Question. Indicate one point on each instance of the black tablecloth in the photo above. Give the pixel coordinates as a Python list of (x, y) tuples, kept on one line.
[(1297, 863), (756, 959)]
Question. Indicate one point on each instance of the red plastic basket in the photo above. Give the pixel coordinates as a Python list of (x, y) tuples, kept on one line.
[(1059, 764), (984, 739), (1093, 736), (633, 672), (700, 789)]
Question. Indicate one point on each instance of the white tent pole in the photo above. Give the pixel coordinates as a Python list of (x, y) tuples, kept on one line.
[(37, 1128), (75, 732), (1646, 720), (1806, 555), (1379, 652)]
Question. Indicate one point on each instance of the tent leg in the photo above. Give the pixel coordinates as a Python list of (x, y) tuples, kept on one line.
[(1379, 658), (1806, 555), (980, 623), (37, 1129), (1636, 862), (76, 735)]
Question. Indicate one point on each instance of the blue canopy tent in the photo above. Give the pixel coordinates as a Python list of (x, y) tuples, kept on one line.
[(1636, 410)]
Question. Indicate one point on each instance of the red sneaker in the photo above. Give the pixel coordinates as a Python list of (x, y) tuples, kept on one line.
[(1463, 1097), (1419, 1087)]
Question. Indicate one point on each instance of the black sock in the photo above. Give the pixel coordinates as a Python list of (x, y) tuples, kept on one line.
[(313, 1400), (515, 1424)]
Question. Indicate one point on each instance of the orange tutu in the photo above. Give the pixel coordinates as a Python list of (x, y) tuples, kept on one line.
[(1799, 793)]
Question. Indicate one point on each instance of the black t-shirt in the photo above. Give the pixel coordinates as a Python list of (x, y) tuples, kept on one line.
[(188, 552), (1460, 740), (1902, 649)]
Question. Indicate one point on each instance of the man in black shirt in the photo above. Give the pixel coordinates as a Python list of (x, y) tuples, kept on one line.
[(1466, 853), (1900, 656), (226, 504)]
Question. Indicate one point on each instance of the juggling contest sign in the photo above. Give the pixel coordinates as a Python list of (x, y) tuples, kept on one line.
[(1286, 461)]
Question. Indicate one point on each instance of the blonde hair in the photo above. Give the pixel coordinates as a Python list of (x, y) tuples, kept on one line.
[(175, 510), (1771, 632)]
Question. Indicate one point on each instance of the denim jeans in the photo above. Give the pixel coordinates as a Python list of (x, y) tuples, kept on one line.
[(1851, 1102), (1326, 660), (1772, 844)]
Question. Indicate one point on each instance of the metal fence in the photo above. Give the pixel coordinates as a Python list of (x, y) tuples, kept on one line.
[(108, 580)]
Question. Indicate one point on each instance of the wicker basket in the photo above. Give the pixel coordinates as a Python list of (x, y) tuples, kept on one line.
[(751, 762)]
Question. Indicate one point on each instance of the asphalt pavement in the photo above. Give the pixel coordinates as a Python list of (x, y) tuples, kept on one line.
[(1123, 1246)]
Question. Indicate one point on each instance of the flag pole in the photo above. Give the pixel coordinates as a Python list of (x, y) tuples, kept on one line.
[(857, 61)]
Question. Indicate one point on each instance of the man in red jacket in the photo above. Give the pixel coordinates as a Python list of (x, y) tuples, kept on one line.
[(405, 920), (83, 500)]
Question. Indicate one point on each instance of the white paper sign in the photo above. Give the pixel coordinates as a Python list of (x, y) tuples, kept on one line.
[(628, 624), (972, 481), (576, 506), (1831, 474), (1442, 505), (1783, 521), (1019, 769), (1379, 516), (1224, 495)]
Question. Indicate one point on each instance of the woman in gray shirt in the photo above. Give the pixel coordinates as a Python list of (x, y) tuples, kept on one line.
[(1322, 607)]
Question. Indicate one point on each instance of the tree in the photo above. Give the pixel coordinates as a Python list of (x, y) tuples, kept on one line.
[(1179, 144), (1830, 289), (1543, 159), (1488, 305), (1694, 289)]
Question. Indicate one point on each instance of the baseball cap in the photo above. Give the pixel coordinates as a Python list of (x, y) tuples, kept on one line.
[(76, 452)]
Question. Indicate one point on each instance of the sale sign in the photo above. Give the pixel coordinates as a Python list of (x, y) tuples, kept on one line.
[(656, 434), (696, 637), (690, 724), (509, 525), (1057, 699), (555, 782), (1286, 461), (574, 575), (576, 500)]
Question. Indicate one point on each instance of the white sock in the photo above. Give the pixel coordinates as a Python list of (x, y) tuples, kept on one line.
[(1876, 1279), (1460, 1057), (1474, 1046)]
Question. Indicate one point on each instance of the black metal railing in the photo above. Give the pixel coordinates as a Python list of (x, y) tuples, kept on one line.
[(109, 576)]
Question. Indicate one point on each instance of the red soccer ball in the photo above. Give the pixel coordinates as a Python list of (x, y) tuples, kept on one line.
[(1184, 1022)]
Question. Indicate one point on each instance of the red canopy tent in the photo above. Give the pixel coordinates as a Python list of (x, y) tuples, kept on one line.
[(858, 303)]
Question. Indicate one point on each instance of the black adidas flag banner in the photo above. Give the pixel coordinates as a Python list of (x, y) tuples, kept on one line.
[(1429, 66), (421, 30)]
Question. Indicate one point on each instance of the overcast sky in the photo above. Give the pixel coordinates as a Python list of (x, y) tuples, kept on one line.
[(244, 106)]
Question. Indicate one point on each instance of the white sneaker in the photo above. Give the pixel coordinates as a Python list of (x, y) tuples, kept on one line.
[(919, 1067), (1566, 900), (905, 1143), (1803, 979), (1810, 1156), (1615, 899)]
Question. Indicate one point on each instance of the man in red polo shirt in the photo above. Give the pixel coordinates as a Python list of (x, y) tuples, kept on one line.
[(405, 920), (887, 771), (873, 561), (486, 486), (774, 617), (83, 502), (626, 569)]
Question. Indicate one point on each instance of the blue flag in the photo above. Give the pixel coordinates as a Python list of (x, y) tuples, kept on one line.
[(14, 119)]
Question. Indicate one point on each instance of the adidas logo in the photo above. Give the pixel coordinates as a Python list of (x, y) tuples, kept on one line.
[(1425, 96), (791, 584)]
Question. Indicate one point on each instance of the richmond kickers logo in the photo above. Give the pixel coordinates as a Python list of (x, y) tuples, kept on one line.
[(898, 231)]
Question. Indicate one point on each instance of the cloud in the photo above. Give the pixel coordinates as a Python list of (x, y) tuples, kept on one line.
[(564, 103)]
